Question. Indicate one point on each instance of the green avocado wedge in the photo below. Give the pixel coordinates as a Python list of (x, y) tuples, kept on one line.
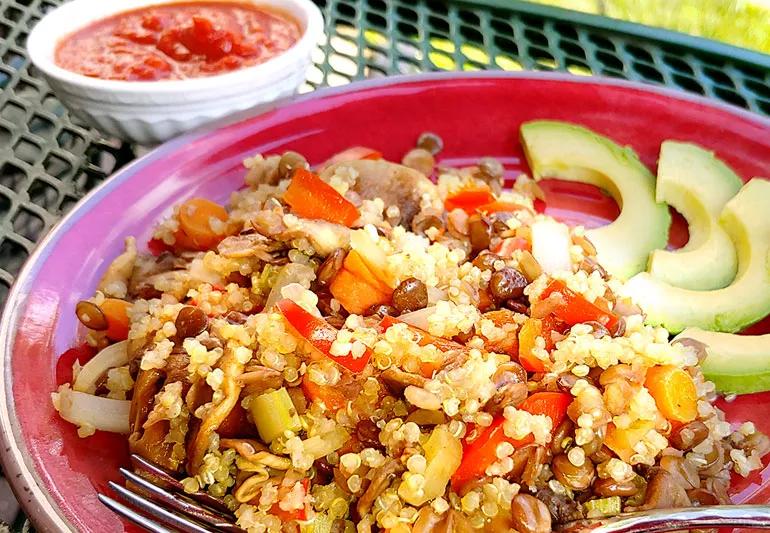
[(746, 218), (735, 363), (698, 185), (571, 152)]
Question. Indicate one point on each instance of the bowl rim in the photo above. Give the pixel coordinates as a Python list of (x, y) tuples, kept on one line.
[(46, 35), (25, 481)]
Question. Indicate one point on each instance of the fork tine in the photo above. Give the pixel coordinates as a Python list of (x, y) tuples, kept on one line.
[(148, 506), (133, 516), (179, 502), (164, 475)]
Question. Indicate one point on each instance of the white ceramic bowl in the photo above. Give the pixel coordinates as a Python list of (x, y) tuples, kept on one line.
[(149, 112)]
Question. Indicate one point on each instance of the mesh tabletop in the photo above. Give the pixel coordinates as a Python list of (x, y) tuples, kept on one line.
[(49, 159)]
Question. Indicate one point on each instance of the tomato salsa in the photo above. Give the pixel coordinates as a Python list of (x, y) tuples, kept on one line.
[(177, 41)]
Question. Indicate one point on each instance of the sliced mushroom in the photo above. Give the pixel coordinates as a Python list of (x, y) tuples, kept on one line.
[(395, 184), (382, 476), (397, 380), (260, 379), (231, 390), (250, 245), (664, 492), (149, 440), (115, 280)]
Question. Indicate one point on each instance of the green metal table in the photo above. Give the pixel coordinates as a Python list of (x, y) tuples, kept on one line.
[(49, 159)]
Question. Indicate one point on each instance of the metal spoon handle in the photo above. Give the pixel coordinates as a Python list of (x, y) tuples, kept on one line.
[(756, 516)]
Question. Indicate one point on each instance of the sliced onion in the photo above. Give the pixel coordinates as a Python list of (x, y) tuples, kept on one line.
[(550, 246), (436, 295), (87, 410), (110, 357), (419, 318)]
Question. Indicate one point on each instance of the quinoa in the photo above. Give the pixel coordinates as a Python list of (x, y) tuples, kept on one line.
[(350, 416)]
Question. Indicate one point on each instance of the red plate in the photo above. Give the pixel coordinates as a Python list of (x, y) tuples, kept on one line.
[(57, 475)]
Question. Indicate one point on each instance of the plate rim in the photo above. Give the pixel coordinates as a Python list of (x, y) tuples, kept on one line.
[(36, 501)]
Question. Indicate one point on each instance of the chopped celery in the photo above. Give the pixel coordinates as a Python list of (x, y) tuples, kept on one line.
[(322, 445), (274, 413), (602, 507)]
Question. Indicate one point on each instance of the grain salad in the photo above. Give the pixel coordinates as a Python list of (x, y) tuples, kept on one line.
[(358, 347)]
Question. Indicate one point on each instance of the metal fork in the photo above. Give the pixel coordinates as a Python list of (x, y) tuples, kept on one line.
[(166, 501), (200, 512)]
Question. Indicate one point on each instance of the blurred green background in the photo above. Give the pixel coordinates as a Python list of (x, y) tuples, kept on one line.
[(743, 23)]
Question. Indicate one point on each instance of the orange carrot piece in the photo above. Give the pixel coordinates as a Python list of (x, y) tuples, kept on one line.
[(469, 199), (311, 197), (195, 231), (354, 293), (674, 392), (356, 265), (116, 312), (530, 331)]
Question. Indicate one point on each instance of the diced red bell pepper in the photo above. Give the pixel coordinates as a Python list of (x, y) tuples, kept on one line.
[(320, 334), (311, 197), (82, 354), (499, 206), (577, 309), (157, 247), (506, 247), (331, 397), (354, 153), (296, 514), (469, 199), (482, 451)]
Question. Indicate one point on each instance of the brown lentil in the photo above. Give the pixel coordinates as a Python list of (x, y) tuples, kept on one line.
[(478, 233), (381, 310), (289, 162), (572, 476), (530, 515), (491, 171), (562, 433), (486, 260), (688, 436), (330, 267), (431, 142), (90, 315), (419, 159), (507, 283), (424, 220), (609, 487), (410, 295), (517, 306), (368, 433), (190, 322)]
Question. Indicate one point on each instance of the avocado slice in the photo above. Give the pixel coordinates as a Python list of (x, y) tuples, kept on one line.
[(746, 300), (735, 363), (574, 153), (698, 185)]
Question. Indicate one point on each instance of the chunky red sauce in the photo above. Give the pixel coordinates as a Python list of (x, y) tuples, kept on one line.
[(177, 41)]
